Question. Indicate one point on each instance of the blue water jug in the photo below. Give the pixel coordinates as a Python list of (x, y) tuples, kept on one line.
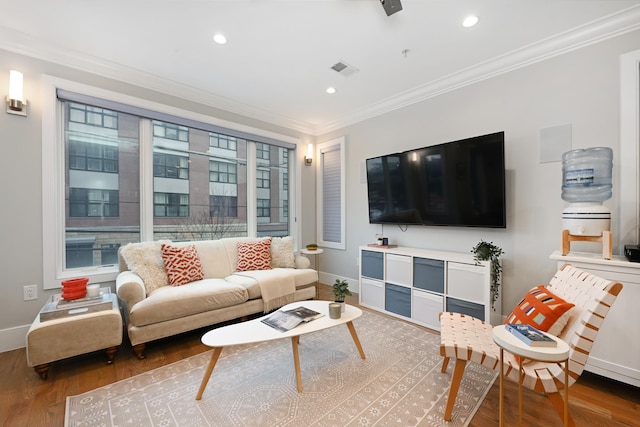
[(586, 175)]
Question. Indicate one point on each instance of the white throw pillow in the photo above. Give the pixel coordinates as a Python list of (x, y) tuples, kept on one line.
[(282, 252), (145, 260)]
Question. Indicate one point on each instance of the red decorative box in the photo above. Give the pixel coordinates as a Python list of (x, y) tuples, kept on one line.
[(74, 288)]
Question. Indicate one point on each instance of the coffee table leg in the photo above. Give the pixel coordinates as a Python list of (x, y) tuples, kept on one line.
[(501, 387), (354, 335), (207, 374), (296, 362)]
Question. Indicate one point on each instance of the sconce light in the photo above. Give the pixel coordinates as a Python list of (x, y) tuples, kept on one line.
[(16, 104), (309, 157)]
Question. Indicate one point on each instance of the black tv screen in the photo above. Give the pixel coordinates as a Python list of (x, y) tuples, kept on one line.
[(460, 183)]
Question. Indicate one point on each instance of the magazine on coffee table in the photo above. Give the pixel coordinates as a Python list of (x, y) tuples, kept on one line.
[(286, 320)]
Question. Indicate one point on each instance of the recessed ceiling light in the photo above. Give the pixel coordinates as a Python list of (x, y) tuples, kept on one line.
[(470, 21), (331, 90), (220, 39)]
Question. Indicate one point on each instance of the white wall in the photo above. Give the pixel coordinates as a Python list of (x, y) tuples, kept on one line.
[(581, 88)]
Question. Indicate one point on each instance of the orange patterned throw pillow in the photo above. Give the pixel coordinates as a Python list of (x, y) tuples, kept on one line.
[(543, 310), (182, 264), (254, 255)]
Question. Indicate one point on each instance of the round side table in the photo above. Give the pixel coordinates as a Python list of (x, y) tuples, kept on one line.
[(316, 264), (560, 353)]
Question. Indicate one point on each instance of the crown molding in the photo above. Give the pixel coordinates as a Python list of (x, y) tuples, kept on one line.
[(596, 31)]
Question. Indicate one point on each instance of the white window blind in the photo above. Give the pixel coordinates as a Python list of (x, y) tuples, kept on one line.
[(331, 194)]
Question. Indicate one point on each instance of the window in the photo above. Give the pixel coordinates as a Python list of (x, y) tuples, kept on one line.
[(223, 172), (264, 208), (222, 141), (262, 151), (331, 194), (224, 206), (170, 204), (93, 157), (262, 179), (170, 131), (170, 166), (93, 116), (93, 203), (127, 172)]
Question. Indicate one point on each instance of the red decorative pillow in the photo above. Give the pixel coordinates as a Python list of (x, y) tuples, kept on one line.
[(543, 310), (182, 264), (254, 255)]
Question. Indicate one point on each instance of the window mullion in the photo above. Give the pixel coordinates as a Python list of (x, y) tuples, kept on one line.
[(146, 180)]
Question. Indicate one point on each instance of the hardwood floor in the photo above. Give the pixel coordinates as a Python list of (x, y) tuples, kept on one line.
[(25, 400)]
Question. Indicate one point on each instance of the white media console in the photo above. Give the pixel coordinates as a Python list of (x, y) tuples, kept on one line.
[(417, 284)]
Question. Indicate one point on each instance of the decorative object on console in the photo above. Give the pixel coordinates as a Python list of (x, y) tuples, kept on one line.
[(74, 288), (487, 251), (586, 183), (632, 252)]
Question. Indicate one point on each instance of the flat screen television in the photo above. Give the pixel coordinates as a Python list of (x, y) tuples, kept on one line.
[(459, 183)]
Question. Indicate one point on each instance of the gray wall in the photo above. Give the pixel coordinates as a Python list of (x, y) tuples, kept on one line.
[(581, 88)]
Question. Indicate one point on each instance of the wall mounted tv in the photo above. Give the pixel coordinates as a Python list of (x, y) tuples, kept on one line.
[(459, 183)]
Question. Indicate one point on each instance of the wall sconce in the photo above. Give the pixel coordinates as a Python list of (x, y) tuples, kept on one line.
[(309, 157), (16, 104)]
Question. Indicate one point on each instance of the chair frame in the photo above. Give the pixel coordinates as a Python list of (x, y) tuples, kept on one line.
[(465, 338)]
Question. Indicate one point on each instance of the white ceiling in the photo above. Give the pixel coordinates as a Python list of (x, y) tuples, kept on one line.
[(276, 65)]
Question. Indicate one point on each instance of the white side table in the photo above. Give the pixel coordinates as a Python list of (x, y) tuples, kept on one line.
[(316, 264), (507, 341)]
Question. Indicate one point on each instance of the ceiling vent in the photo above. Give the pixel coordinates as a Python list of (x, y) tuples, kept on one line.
[(344, 69)]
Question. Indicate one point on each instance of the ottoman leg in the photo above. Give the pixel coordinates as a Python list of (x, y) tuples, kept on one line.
[(111, 354), (42, 370)]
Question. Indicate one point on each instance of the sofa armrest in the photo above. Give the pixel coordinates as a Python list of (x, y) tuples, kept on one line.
[(302, 261), (130, 288)]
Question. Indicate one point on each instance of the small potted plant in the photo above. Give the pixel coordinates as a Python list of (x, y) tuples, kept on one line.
[(341, 291), (312, 247), (487, 251)]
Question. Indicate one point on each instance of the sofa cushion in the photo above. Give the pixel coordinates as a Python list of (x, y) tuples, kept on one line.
[(173, 302), (182, 264), (145, 260), (282, 252), (254, 256)]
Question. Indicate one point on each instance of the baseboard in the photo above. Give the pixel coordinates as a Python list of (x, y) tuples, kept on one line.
[(13, 338), (330, 279)]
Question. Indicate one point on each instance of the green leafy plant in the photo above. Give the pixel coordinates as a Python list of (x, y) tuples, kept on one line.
[(341, 290), (487, 251), (312, 246)]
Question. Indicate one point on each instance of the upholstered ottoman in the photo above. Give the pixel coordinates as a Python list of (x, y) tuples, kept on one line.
[(58, 339)]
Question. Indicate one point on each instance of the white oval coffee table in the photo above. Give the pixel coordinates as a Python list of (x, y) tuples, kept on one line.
[(254, 331)]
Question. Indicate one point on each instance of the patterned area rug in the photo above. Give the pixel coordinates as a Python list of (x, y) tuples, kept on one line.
[(399, 384)]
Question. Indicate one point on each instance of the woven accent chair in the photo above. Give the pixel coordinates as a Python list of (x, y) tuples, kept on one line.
[(467, 339)]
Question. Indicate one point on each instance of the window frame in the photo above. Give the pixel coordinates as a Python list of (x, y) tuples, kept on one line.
[(53, 166)]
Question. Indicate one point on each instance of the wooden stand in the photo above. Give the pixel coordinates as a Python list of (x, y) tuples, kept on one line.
[(605, 239)]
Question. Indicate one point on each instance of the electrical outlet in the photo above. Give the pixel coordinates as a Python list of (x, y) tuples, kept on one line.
[(30, 292)]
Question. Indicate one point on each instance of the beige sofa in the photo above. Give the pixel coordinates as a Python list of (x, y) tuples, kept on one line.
[(154, 309)]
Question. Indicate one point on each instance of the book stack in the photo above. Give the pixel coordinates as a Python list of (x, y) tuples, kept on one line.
[(530, 335)]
